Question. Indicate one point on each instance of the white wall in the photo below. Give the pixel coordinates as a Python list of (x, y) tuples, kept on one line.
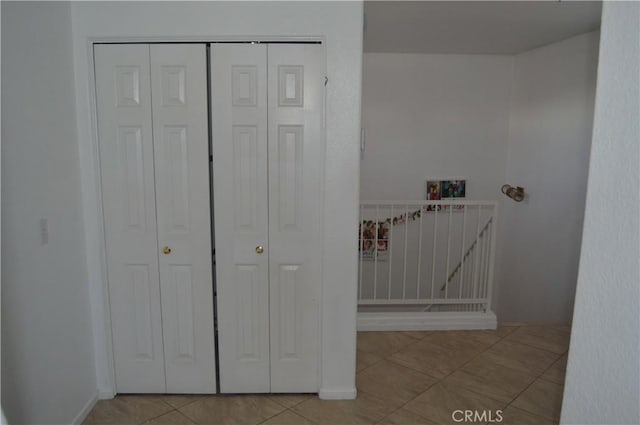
[(549, 142), (603, 374), (47, 346), (340, 24), (434, 116), (524, 120)]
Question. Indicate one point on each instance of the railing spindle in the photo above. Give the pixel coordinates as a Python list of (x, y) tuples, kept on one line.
[(375, 255), (467, 286), (483, 246), (475, 263), (492, 251), (486, 263), (404, 252), (389, 248), (361, 252), (462, 249), (435, 239), (446, 275), (419, 253)]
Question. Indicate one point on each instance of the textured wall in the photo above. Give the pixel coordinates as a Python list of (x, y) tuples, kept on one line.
[(48, 374), (549, 142), (523, 119), (429, 116), (603, 374)]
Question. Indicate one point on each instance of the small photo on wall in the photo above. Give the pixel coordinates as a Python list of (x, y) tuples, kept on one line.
[(433, 190), (433, 193), (374, 241), (453, 188)]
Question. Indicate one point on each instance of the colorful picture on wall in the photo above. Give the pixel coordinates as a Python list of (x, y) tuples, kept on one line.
[(453, 188), (443, 189), (433, 190), (369, 240), (433, 193)]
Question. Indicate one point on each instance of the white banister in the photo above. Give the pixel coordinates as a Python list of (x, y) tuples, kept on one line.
[(460, 269)]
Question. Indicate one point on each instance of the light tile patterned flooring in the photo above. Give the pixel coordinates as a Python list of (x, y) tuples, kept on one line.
[(402, 378)]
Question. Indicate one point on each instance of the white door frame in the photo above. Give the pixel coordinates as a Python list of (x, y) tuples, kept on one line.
[(98, 288)]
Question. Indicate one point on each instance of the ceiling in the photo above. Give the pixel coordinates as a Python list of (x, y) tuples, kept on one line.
[(474, 27)]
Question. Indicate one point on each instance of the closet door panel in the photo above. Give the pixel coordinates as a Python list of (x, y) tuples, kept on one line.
[(239, 117), (296, 99), (127, 171), (180, 126)]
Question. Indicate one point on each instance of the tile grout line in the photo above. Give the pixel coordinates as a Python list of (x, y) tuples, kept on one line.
[(301, 413), (193, 401), (539, 336), (439, 380), (526, 388), (368, 366), (540, 376), (156, 417), (529, 386), (536, 347), (388, 358)]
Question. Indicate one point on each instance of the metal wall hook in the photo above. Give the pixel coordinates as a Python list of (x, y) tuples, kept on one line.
[(515, 193)]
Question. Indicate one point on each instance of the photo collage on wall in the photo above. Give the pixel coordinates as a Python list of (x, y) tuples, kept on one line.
[(445, 189), (373, 235), (369, 244)]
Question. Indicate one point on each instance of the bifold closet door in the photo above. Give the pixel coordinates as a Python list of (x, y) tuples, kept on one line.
[(296, 155), (267, 117), (239, 147), (152, 125), (123, 86), (181, 161)]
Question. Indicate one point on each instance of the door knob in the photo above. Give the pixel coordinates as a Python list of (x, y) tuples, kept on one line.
[(166, 250), (259, 249)]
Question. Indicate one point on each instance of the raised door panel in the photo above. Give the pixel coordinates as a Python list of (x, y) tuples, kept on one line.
[(239, 146), (128, 193), (245, 178), (180, 126), (295, 204)]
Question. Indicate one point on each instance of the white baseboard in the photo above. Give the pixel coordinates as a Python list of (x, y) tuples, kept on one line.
[(105, 395), (426, 321), (82, 415), (338, 394)]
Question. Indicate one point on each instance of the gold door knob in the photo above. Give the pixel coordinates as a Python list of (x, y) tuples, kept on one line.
[(259, 249), (166, 250)]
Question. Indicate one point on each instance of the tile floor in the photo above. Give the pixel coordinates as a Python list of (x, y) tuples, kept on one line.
[(402, 378)]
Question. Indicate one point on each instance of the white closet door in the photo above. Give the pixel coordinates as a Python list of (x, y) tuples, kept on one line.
[(126, 154), (181, 150), (239, 111), (296, 99)]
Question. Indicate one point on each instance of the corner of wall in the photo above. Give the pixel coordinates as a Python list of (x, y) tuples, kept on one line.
[(86, 409), (498, 280)]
